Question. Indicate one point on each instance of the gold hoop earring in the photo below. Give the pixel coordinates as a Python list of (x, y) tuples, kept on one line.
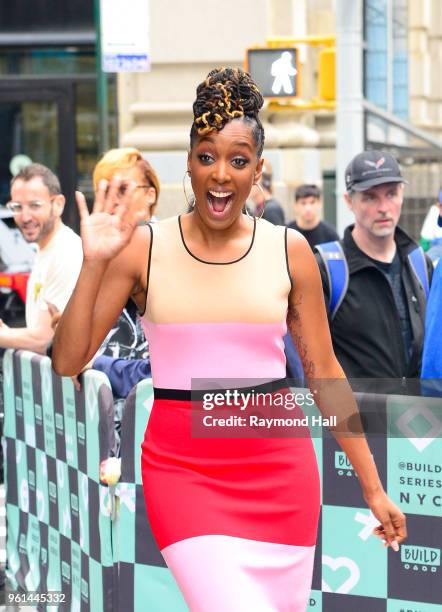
[(264, 198), (190, 202)]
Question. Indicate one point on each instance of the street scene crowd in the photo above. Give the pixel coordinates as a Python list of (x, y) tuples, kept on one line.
[(380, 285), (381, 289)]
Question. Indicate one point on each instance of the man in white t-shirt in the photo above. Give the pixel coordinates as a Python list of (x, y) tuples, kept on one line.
[(37, 204)]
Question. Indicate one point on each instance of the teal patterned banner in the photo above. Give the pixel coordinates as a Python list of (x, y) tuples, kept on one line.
[(55, 439), (68, 532)]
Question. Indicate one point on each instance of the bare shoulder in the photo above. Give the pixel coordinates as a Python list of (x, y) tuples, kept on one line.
[(295, 239), (134, 256), (142, 237), (130, 265), (301, 261)]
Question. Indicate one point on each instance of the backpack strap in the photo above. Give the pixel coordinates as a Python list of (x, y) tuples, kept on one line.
[(419, 266), (336, 266)]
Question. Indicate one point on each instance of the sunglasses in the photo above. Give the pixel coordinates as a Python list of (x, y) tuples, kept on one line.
[(123, 188)]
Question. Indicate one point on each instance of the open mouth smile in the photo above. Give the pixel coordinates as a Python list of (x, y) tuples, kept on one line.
[(219, 202)]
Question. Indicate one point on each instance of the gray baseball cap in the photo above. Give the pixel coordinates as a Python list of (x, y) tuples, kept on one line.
[(371, 168)]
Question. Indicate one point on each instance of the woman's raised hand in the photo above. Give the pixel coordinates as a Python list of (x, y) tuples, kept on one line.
[(108, 229)]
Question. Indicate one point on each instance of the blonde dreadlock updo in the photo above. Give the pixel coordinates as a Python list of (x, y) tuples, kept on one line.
[(226, 94)]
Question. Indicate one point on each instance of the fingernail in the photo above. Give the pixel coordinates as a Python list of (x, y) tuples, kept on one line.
[(395, 546)]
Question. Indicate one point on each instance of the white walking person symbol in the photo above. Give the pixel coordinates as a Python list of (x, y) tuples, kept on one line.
[(282, 70)]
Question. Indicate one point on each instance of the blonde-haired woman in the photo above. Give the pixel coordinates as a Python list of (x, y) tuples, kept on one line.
[(129, 165)]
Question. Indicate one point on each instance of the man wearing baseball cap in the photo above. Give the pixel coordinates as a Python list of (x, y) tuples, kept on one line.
[(377, 304)]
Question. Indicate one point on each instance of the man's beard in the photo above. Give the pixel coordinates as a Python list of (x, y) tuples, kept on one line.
[(45, 229)]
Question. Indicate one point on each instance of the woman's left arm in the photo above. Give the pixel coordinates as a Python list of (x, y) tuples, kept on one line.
[(308, 325)]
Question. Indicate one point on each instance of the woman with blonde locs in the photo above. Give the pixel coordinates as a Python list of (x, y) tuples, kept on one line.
[(235, 519)]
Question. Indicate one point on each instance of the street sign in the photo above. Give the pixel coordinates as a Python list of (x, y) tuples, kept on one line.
[(125, 35), (275, 71)]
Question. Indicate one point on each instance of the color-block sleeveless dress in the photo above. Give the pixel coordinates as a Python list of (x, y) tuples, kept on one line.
[(235, 519)]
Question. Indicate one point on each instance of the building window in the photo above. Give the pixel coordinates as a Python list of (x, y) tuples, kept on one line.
[(42, 15), (400, 58), (30, 126), (386, 57)]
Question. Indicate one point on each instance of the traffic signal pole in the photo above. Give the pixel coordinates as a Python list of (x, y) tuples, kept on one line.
[(349, 98), (313, 41), (102, 93)]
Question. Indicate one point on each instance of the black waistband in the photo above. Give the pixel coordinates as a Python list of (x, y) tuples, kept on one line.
[(198, 394)]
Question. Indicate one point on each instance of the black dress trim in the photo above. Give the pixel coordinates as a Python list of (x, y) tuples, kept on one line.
[(148, 267), (196, 395), (217, 263), (287, 257)]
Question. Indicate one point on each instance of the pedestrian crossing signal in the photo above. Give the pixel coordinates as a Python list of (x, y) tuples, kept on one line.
[(275, 71)]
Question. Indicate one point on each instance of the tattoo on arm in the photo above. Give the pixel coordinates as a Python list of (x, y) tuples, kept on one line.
[(295, 329)]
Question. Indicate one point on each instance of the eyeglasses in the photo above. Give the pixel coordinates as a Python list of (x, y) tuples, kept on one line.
[(17, 208), (122, 189)]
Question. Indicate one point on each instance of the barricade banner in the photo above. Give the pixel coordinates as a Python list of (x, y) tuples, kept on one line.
[(145, 582), (352, 570), (58, 521), (62, 536)]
